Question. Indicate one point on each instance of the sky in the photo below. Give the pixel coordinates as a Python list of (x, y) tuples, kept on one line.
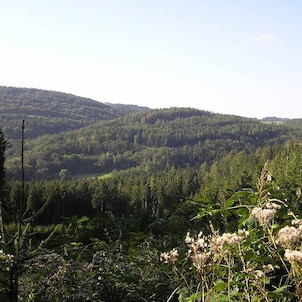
[(241, 57)]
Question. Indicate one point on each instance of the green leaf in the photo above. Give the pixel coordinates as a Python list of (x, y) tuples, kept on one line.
[(231, 201), (195, 297), (82, 219), (220, 286), (281, 289)]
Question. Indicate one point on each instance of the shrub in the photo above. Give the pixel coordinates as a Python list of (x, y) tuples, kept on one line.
[(261, 260)]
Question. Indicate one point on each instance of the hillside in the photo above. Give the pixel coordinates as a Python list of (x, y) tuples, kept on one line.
[(169, 171), (48, 112), (147, 141), (83, 136), (295, 123), (123, 109)]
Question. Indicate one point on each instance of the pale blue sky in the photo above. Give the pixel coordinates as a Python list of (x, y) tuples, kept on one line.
[(236, 57)]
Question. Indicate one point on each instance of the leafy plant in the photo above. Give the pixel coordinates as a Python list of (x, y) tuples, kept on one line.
[(258, 256)]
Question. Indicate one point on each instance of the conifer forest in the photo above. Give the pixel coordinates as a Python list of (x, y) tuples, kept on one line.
[(106, 202)]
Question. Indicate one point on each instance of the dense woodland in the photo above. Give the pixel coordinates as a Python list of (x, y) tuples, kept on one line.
[(108, 193), (47, 112), (97, 139)]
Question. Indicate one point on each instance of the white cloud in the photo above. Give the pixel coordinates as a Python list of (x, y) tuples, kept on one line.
[(264, 37)]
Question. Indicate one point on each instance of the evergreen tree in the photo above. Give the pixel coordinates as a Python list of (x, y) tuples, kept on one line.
[(2, 158)]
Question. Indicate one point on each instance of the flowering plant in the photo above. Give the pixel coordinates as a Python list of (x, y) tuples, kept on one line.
[(254, 256)]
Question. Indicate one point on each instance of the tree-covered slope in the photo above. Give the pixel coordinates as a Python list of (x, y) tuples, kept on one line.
[(124, 109), (48, 112), (295, 123), (148, 141)]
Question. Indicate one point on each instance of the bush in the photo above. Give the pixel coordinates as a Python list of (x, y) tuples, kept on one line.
[(259, 261)]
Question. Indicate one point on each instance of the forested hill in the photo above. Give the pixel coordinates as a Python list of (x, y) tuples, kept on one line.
[(295, 123), (123, 109), (49, 112), (147, 141)]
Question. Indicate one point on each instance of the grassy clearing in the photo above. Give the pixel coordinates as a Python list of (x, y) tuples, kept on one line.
[(94, 175)]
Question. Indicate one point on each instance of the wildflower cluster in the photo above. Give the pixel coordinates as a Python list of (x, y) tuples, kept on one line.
[(198, 250), (293, 256), (289, 236), (297, 222), (258, 275), (255, 274), (5, 258), (266, 214), (264, 264), (227, 240), (203, 249), (268, 268), (6, 261), (169, 257)]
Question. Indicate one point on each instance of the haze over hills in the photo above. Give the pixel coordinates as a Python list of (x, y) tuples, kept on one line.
[(83, 136), (48, 112), (126, 109)]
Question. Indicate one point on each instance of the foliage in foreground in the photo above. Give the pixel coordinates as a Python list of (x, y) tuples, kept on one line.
[(257, 258), (63, 268), (249, 248), (110, 275)]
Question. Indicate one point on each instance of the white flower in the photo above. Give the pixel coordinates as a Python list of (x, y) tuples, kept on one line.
[(243, 233), (297, 222), (288, 236), (188, 239), (169, 257), (200, 259), (198, 250), (268, 268), (259, 274), (219, 243), (264, 216), (272, 205), (293, 256)]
